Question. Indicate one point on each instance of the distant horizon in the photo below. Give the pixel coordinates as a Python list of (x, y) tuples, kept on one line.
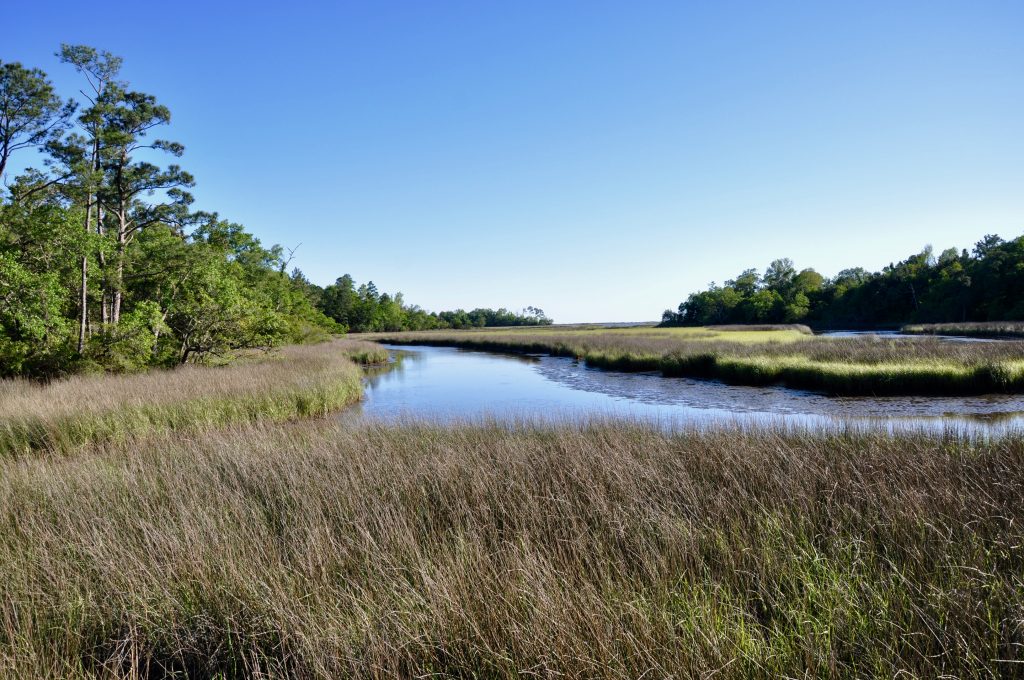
[(682, 296), (593, 160)]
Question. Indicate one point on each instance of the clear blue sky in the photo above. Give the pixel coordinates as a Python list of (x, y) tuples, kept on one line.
[(600, 160)]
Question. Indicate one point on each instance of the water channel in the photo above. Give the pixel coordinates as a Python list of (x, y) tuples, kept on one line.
[(444, 384)]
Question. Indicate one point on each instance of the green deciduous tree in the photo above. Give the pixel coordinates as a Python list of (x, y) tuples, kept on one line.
[(40, 242), (986, 284)]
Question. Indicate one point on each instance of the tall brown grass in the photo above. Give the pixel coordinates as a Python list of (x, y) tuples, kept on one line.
[(609, 550), (297, 381)]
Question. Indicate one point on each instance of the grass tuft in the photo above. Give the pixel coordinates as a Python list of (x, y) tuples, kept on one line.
[(366, 353)]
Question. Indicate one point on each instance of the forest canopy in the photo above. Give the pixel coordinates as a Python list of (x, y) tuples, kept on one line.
[(104, 265), (985, 284)]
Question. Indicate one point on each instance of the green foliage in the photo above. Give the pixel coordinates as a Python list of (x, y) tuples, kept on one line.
[(102, 265), (30, 320), (479, 318), (34, 327), (129, 345), (985, 285), (365, 310)]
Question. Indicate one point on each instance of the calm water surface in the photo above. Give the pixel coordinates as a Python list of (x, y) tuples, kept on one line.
[(445, 384)]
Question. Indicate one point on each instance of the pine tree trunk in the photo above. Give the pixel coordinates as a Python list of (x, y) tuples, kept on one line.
[(105, 296), (115, 312), (122, 231), (84, 302), (83, 321)]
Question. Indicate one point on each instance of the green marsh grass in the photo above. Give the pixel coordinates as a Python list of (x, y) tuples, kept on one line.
[(364, 353), (295, 382), (862, 365), (980, 329), (312, 550)]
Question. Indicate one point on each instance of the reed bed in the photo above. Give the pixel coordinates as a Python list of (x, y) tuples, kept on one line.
[(308, 550), (861, 365), (986, 329), (297, 381), (363, 352), (746, 328)]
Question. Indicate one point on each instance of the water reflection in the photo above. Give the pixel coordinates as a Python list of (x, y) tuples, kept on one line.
[(447, 384)]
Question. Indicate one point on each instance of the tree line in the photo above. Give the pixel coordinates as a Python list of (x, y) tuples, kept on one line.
[(364, 309), (104, 265), (984, 284)]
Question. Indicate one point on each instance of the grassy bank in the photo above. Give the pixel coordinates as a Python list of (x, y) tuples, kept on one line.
[(862, 365), (362, 352), (298, 381), (990, 329), (313, 551)]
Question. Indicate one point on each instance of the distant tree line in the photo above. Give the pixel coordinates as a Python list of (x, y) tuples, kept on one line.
[(985, 284), (105, 266), (364, 309)]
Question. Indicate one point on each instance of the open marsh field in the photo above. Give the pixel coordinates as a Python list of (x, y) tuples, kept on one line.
[(607, 550), (860, 365), (295, 382), (210, 522)]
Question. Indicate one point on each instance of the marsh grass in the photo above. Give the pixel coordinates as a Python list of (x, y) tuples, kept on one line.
[(607, 550), (862, 365), (364, 353), (987, 329), (747, 328), (295, 382)]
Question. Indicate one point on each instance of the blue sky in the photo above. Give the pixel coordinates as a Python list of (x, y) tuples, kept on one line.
[(600, 160)]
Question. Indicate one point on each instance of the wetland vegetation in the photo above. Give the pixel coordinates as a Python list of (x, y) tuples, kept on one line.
[(604, 550), (295, 382), (987, 329)]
